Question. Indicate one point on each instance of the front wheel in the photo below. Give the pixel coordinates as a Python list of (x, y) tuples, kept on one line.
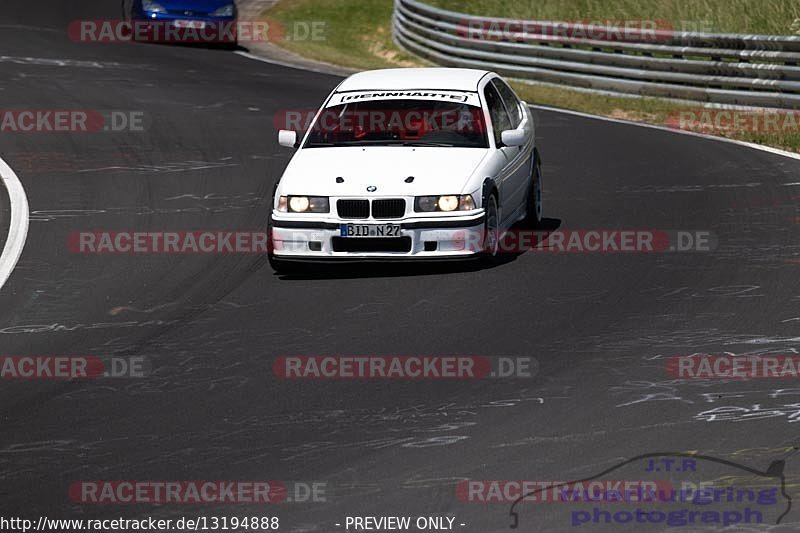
[(126, 10), (534, 210), (279, 266), (491, 228)]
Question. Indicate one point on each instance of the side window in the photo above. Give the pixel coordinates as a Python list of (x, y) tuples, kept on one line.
[(511, 101), (497, 112)]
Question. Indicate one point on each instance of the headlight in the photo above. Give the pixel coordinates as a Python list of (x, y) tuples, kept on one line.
[(304, 204), (225, 11), (426, 204), (153, 7), (299, 204), (447, 203)]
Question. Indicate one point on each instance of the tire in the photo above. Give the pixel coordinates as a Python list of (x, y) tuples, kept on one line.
[(491, 238), (279, 266), (534, 209), (127, 9)]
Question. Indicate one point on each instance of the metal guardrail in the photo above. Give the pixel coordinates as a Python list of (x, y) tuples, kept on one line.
[(748, 70)]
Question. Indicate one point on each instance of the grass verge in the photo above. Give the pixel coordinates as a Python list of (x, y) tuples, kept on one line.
[(357, 34)]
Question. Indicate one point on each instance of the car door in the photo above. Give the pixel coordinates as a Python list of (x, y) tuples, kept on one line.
[(520, 157), (501, 122)]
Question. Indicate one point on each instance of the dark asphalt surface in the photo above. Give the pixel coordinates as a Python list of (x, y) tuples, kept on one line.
[(600, 325)]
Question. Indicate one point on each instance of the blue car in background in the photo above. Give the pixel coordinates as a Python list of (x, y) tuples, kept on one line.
[(183, 21)]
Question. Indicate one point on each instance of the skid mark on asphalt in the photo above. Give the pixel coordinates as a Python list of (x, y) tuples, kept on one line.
[(204, 307), (37, 446), (242, 441), (692, 187), (421, 426), (723, 291), (70, 63), (121, 308), (680, 340), (216, 105), (731, 402), (57, 327), (210, 203), (59, 163), (58, 214), (588, 436), (182, 166)]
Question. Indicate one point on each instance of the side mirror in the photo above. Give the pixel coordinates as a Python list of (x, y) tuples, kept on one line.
[(287, 138), (513, 137)]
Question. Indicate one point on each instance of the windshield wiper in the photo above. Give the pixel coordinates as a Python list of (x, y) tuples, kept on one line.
[(314, 144), (386, 142), (426, 143)]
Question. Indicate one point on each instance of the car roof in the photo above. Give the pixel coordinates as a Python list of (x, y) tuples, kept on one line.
[(402, 79)]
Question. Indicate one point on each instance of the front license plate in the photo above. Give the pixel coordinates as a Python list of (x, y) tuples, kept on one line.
[(196, 24), (370, 230)]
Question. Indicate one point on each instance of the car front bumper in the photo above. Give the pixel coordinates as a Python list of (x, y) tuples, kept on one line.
[(453, 237)]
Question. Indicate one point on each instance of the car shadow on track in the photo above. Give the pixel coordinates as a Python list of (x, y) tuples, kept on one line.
[(400, 268)]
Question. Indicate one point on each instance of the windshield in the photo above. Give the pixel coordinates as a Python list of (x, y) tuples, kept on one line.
[(399, 122)]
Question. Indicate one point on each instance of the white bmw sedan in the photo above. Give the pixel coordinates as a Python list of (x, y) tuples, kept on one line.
[(408, 164)]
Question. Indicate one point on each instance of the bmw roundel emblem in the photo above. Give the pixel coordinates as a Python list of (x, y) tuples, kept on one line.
[(372, 188)]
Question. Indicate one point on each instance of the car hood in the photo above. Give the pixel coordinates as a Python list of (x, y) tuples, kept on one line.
[(313, 171)]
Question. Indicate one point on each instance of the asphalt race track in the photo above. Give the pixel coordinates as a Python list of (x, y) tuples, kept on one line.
[(600, 326)]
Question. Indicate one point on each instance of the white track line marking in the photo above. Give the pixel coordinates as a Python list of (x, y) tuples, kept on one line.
[(754, 146), (18, 228), (321, 70)]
